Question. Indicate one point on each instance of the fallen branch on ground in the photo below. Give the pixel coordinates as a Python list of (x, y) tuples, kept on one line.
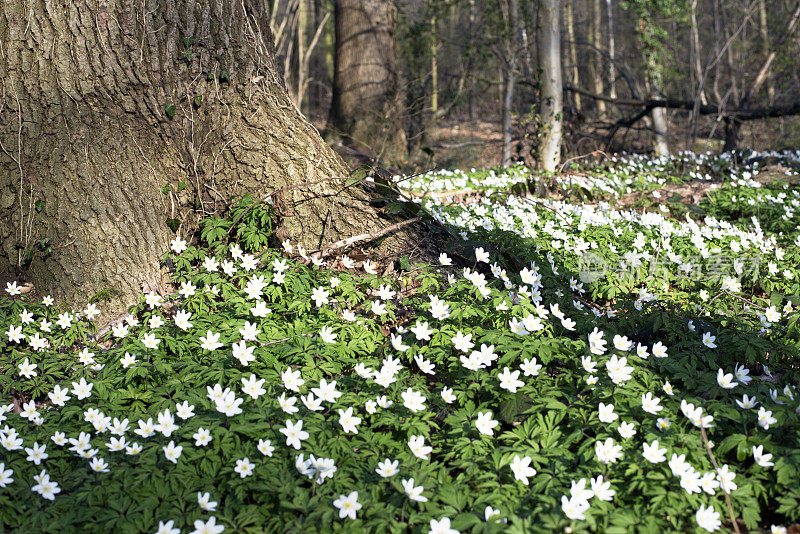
[(343, 243)]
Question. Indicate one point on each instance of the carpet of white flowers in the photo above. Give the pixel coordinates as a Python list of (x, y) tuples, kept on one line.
[(566, 366)]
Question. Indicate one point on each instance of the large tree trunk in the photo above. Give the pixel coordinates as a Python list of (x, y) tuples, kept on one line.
[(366, 105), (116, 116), (552, 87)]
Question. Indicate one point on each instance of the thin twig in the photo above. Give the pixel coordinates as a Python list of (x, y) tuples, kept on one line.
[(327, 226), (732, 295), (716, 467), (367, 237), (285, 339), (583, 156)]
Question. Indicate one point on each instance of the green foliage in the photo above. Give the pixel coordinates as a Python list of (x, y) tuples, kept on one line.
[(523, 311), (250, 223), (651, 15), (40, 247)]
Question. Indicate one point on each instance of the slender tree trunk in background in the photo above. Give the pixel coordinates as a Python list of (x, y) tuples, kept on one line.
[(731, 126), (661, 145), (273, 22), (367, 104), (330, 53), (434, 73), (305, 53), (732, 135), (104, 104), (510, 79), (655, 89), (289, 33), (508, 98), (526, 49), (763, 73), (596, 64), (549, 37), (473, 15), (612, 68), (320, 77), (573, 55), (302, 71), (312, 101), (698, 68), (733, 72), (717, 49), (764, 33)]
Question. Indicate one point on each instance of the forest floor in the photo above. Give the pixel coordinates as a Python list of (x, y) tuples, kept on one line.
[(619, 357)]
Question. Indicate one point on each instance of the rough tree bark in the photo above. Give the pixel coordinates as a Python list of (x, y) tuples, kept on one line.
[(103, 104), (552, 88), (366, 106)]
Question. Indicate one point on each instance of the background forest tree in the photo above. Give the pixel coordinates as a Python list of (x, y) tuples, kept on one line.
[(604, 338), (639, 76), (402, 84)]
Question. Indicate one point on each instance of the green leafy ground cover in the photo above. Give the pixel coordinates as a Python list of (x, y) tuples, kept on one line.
[(590, 368)]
